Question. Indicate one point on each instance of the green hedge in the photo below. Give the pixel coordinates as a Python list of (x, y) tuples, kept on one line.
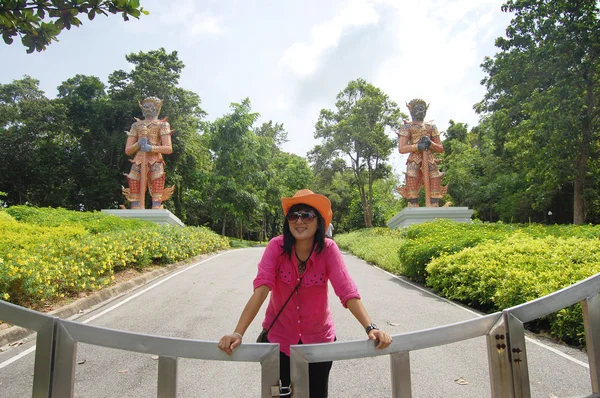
[(426, 241), (489, 266), (499, 275), (94, 222)]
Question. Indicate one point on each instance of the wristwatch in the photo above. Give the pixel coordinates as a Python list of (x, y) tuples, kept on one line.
[(371, 327)]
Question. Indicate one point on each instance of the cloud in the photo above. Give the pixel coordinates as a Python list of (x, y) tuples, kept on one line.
[(430, 49), (302, 58), (185, 19), (207, 24)]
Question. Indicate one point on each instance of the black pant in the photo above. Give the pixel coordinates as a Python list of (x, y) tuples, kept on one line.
[(318, 373)]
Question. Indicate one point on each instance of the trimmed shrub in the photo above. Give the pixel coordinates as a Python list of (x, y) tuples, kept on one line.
[(94, 222), (426, 241), (499, 275)]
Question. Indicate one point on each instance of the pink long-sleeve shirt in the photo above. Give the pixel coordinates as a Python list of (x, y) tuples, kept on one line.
[(307, 316)]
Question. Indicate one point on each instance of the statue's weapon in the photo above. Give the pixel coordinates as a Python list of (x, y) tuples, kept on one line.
[(144, 170), (425, 173)]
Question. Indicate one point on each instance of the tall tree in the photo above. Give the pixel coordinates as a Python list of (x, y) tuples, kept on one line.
[(38, 22), (97, 153), (231, 143), (34, 149), (543, 89), (356, 131)]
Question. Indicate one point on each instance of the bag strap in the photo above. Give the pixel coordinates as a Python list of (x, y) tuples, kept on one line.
[(295, 290), (288, 299)]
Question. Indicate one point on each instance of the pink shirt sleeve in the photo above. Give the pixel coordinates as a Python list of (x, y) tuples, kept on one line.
[(340, 279), (267, 267)]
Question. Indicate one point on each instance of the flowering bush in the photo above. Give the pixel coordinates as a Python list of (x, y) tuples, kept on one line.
[(48, 259)]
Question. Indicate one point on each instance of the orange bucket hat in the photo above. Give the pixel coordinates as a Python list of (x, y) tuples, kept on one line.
[(314, 200)]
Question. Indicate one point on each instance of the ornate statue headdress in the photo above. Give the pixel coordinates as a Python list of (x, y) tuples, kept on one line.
[(417, 101), (157, 102)]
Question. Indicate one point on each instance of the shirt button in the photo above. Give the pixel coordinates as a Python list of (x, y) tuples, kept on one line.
[(298, 280), (298, 307), (299, 334), (298, 321)]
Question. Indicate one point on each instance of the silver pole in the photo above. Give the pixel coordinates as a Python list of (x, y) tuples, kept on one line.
[(401, 384)]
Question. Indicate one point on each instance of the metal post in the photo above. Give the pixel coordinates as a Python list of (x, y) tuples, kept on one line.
[(63, 377), (167, 377), (499, 362), (518, 355), (270, 372), (401, 385), (591, 324), (299, 374), (44, 360)]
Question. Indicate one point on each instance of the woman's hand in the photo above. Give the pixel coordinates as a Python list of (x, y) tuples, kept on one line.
[(229, 342), (382, 338)]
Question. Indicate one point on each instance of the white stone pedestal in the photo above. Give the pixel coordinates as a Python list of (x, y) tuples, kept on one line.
[(159, 216), (418, 215)]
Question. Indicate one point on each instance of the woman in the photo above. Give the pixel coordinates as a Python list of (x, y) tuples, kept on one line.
[(295, 268)]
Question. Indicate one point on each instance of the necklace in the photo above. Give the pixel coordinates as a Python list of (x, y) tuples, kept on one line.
[(302, 263)]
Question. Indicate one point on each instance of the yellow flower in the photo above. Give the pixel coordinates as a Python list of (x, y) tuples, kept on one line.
[(5, 296)]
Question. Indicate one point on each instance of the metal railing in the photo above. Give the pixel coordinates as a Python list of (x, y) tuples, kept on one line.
[(55, 357)]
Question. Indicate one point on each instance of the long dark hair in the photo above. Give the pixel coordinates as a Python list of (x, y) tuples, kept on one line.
[(288, 238)]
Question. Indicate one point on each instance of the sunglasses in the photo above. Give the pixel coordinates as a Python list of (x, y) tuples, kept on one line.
[(305, 216)]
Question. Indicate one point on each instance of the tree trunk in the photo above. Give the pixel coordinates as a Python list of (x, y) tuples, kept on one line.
[(584, 153), (224, 223), (366, 211), (370, 198), (579, 181)]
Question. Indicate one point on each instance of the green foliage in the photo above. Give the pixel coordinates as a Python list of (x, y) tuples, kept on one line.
[(64, 253), (498, 275), (240, 243), (357, 131), (490, 266), (423, 242), (93, 222), (542, 90), (4, 216), (41, 21), (375, 245)]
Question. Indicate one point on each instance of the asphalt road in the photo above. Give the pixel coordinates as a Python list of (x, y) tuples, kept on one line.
[(205, 300)]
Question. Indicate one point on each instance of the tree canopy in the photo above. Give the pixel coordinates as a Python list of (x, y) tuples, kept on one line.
[(356, 132), (543, 100), (39, 22)]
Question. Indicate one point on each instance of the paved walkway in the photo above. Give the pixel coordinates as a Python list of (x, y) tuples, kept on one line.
[(203, 301)]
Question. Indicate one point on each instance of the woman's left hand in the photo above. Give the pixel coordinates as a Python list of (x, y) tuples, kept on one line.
[(382, 338)]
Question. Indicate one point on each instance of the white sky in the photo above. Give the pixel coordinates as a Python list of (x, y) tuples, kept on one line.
[(290, 58)]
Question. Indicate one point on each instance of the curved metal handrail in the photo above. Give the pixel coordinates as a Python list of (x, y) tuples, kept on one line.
[(556, 301), (163, 346), (64, 334), (23, 317), (190, 348), (402, 342)]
